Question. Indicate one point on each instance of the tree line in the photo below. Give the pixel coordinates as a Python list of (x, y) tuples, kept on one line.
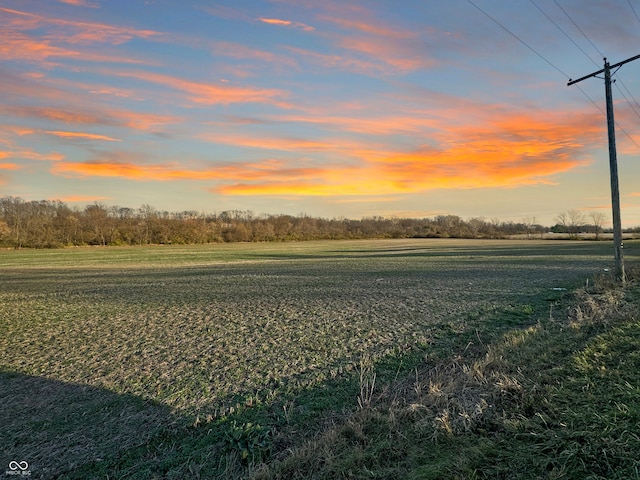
[(52, 224)]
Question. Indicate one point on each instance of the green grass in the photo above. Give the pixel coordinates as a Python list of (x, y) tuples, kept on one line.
[(148, 362), (557, 400)]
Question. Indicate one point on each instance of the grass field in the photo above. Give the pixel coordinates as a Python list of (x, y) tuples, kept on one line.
[(190, 362)]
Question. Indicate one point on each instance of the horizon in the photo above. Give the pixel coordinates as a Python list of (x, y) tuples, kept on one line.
[(585, 219), (350, 110)]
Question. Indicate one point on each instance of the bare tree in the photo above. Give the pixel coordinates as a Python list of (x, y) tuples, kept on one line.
[(5, 231), (97, 222), (598, 219), (571, 220), (528, 222)]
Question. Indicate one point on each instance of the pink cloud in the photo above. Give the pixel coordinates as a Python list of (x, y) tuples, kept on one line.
[(209, 94), (380, 29), (236, 50), (27, 154), (80, 3), (287, 23), (30, 37), (337, 61), (401, 57), (15, 45), (81, 135), (68, 31), (81, 198), (123, 118)]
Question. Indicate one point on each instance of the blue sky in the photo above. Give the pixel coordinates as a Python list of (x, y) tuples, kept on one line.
[(332, 108)]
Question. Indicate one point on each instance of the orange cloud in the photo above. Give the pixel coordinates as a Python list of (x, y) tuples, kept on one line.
[(266, 170), (49, 41), (287, 23), (80, 3), (17, 130), (515, 150), (367, 124), (275, 21), (392, 49), (55, 114), (29, 155), (209, 94), (282, 144), (73, 31), (116, 169), (15, 45), (122, 118), (402, 57), (81, 198), (80, 135), (373, 28), (8, 166), (498, 148)]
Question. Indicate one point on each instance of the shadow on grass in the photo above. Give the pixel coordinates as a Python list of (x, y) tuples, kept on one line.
[(444, 249), (556, 400), (59, 427)]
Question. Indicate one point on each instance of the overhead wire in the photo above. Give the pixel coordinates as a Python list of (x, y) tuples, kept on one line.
[(519, 39), (590, 58), (531, 48), (579, 29), (549, 62), (623, 85), (633, 108), (634, 10), (563, 32)]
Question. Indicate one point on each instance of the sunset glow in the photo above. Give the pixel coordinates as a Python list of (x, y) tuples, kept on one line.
[(329, 108)]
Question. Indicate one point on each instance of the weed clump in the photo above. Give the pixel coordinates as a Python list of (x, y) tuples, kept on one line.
[(250, 441)]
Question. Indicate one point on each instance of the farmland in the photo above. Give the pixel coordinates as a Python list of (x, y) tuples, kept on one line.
[(134, 361)]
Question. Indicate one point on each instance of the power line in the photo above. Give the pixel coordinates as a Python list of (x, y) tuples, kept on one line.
[(564, 33), (602, 55), (518, 38), (551, 64), (595, 104), (627, 135), (634, 10), (591, 100), (630, 94), (579, 29), (618, 126), (625, 97), (589, 57)]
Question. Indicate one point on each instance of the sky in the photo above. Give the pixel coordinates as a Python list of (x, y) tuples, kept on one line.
[(332, 108)]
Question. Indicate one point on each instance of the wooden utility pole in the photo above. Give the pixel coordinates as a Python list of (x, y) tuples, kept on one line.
[(613, 163)]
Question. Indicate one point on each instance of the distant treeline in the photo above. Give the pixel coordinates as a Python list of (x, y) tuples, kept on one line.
[(52, 224)]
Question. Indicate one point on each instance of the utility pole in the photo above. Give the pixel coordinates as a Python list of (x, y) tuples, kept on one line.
[(613, 163)]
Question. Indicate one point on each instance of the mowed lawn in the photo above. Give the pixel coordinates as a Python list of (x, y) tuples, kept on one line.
[(104, 349)]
